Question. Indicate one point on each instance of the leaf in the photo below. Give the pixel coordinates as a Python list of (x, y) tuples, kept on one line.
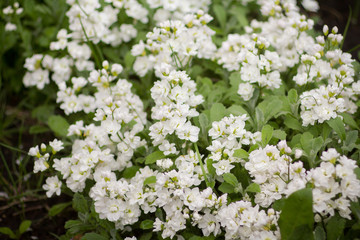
[(231, 179), (338, 126), (7, 231), (237, 110), (279, 134), (235, 80), (151, 158), (266, 134), (72, 223), (79, 203), (292, 123), (306, 142), (36, 129), (253, 187), (349, 120), (217, 112), (269, 108), (297, 211), (146, 236), (240, 13), (58, 125), (129, 60), (150, 180), (319, 233), (220, 14), (226, 188), (24, 226), (335, 227), (357, 172), (93, 236), (241, 153), (130, 172), (293, 96), (147, 224), (58, 208)]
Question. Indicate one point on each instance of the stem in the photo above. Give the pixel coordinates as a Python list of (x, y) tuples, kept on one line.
[(8, 170), (201, 165)]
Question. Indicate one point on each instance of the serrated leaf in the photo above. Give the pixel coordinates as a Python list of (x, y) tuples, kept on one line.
[(241, 153), (79, 203), (151, 158), (231, 179), (147, 224), (253, 187), (93, 236), (226, 188), (217, 112), (24, 226), (335, 227), (266, 134), (296, 212), (338, 126), (58, 208), (58, 125), (7, 231), (150, 180)]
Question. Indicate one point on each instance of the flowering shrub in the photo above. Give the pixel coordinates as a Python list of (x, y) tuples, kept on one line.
[(186, 120)]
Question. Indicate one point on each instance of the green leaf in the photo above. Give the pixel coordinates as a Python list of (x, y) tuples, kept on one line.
[(217, 112), (235, 80), (279, 134), (297, 211), (335, 227), (226, 188), (266, 134), (338, 126), (79, 203), (147, 224), (24, 226), (58, 125), (306, 142), (93, 236), (237, 110), (72, 223), (319, 233), (253, 187), (146, 236), (349, 120), (293, 96), (240, 13), (292, 123), (58, 208), (130, 172), (151, 158), (36, 129), (7, 231), (231, 179), (150, 180), (357, 172), (241, 153), (220, 14), (129, 60)]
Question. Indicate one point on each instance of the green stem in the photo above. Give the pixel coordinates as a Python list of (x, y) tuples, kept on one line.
[(201, 165), (8, 170)]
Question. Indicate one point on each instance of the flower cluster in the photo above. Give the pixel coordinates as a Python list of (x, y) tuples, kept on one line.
[(334, 184), (175, 104), (175, 42), (10, 11), (274, 170), (229, 134)]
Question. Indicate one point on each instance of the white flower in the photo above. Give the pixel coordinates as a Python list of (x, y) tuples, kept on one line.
[(56, 145), (53, 185)]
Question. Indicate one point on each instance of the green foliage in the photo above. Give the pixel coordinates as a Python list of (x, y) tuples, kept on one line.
[(297, 216)]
